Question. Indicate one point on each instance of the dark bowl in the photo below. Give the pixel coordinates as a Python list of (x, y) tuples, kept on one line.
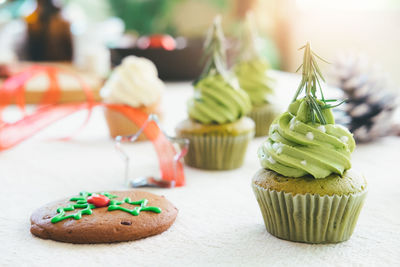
[(172, 65)]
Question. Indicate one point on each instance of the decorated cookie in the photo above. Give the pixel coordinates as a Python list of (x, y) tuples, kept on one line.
[(104, 217)]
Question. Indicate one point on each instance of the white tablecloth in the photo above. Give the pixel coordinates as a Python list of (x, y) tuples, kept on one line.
[(219, 222)]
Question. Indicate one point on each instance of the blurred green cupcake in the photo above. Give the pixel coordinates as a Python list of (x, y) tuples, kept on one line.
[(217, 128), (216, 146), (306, 190), (252, 73)]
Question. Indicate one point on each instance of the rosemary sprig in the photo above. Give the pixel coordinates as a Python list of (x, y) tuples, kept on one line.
[(249, 35), (214, 52), (311, 74)]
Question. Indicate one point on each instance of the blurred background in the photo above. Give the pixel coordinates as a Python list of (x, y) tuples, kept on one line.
[(83, 32)]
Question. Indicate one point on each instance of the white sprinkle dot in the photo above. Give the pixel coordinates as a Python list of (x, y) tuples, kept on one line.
[(293, 120), (344, 139), (291, 127), (271, 160), (275, 146), (310, 136), (338, 126), (279, 151), (304, 162), (322, 128)]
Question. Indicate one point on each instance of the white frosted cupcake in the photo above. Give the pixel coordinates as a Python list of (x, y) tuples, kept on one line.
[(134, 83)]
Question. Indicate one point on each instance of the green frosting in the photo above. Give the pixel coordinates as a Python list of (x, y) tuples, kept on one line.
[(218, 101), (297, 147), (253, 78)]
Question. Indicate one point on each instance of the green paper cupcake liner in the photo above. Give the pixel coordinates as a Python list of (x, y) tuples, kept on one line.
[(217, 152), (263, 116), (309, 218)]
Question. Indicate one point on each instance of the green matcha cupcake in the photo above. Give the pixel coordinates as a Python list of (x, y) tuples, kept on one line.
[(252, 73), (306, 190), (217, 128)]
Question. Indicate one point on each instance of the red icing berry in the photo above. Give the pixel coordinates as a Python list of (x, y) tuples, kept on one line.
[(98, 200)]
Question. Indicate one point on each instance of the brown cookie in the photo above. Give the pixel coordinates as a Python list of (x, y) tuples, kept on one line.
[(105, 224)]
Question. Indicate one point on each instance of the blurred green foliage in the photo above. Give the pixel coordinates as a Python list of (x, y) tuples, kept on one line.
[(152, 16), (146, 16)]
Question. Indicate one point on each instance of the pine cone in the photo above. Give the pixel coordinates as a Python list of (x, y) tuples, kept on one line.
[(370, 104)]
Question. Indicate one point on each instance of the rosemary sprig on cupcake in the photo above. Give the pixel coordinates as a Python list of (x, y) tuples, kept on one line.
[(310, 83), (248, 46), (214, 52)]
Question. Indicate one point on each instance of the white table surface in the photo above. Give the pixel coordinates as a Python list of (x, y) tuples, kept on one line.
[(219, 222)]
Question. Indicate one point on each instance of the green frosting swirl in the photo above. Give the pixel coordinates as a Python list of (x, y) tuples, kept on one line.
[(217, 101), (253, 78), (297, 147)]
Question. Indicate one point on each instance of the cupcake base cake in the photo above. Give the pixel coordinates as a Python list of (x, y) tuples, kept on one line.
[(263, 116), (310, 210), (118, 124), (216, 147)]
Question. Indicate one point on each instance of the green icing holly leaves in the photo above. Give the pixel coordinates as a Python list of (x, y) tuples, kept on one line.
[(115, 205), (84, 208)]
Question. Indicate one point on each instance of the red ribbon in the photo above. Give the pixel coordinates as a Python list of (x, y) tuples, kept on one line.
[(11, 134)]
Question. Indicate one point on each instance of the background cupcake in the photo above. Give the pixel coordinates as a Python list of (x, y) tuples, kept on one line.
[(217, 127), (252, 72), (306, 191), (134, 83)]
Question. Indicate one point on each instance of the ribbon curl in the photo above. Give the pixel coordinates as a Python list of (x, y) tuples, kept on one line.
[(48, 112)]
